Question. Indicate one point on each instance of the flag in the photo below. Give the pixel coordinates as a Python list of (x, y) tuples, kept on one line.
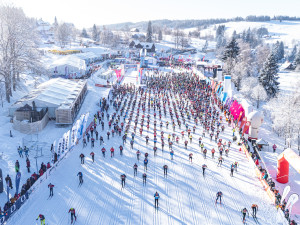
[(1, 182), (292, 200), (67, 139), (85, 121), (63, 144), (246, 127), (285, 192), (53, 151), (7, 191), (59, 147), (18, 178)]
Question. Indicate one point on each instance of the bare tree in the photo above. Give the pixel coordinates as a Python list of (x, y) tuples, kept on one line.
[(18, 46), (64, 34)]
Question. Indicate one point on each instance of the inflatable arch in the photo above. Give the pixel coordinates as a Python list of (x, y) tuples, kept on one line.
[(284, 160)]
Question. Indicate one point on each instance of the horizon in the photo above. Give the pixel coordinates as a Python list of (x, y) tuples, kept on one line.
[(132, 11)]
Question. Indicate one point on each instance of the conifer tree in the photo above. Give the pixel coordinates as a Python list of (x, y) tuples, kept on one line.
[(269, 77), (149, 32)]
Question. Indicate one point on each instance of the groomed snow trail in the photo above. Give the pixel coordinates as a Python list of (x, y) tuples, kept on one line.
[(186, 197)]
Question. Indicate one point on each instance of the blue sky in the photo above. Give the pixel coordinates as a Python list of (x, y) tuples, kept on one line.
[(84, 13)]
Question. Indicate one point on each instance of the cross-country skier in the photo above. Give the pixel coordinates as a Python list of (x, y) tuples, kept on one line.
[(121, 150), (254, 210), (51, 186), (165, 170), (231, 169), (79, 174), (203, 169), (156, 197), (219, 196), (42, 219), (72, 211), (103, 150), (204, 153), (191, 157), (213, 153), (244, 212), (144, 178), (93, 155), (172, 154), (145, 164), (123, 178), (138, 153), (220, 161), (81, 156), (236, 166), (135, 166), (112, 152)]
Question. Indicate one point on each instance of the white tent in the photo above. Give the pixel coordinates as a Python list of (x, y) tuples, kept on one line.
[(68, 65), (52, 94)]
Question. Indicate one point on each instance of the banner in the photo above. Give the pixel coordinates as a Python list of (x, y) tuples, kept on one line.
[(82, 118), (54, 150), (241, 113), (1, 182), (285, 192), (14, 208), (63, 144), (59, 148), (244, 120), (292, 200), (246, 128), (18, 178), (85, 120), (7, 190), (67, 139)]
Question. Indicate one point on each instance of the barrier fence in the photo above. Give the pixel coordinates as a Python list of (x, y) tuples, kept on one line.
[(280, 215)]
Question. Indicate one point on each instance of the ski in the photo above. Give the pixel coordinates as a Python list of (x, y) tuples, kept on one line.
[(50, 196), (255, 219)]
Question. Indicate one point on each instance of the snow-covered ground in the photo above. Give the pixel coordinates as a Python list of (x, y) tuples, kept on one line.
[(186, 197), (286, 31)]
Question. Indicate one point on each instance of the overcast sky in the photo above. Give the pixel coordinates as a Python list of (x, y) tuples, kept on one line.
[(85, 13)]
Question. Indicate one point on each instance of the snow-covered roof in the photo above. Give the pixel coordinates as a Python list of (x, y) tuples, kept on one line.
[(67, 60), (262, 142), (53, 93), (85, 55)]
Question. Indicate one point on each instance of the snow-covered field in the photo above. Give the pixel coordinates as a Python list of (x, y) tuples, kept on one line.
[(186, 197), (286, 31)]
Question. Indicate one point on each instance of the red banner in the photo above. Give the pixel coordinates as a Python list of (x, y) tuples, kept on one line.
[(246, 127), (244, 120)]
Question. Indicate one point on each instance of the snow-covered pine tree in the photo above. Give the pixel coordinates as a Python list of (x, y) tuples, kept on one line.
[(149, 32), (84, 33), (296, 63), (293, 53), (278, 50), (231, 50), (55, 24), (281, 51), (160, 35), (95, 33), (268, 76), (204, 49)]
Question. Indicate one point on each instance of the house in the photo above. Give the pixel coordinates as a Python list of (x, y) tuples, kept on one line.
[(142, 45), (138, 36), (134, 30)]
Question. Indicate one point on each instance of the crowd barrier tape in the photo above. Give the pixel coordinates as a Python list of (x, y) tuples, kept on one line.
[(259, 175)]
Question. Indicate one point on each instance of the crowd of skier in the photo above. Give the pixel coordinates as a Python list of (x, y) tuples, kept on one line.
[(182, 97), (189, 109)]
